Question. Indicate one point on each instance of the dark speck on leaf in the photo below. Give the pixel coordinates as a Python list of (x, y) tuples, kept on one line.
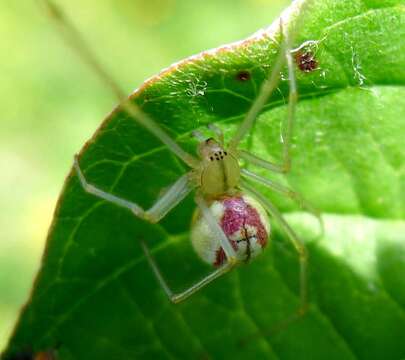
[(306, 61), (243, 75), (25, 355)]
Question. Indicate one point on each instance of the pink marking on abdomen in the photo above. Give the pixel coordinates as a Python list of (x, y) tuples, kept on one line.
[(237, 215)]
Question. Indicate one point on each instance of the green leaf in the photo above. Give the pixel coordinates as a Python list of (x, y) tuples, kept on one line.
[(96, 297)]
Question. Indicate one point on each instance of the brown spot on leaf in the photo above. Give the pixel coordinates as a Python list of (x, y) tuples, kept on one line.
[(220, 257), (243, 75), (306, 61)]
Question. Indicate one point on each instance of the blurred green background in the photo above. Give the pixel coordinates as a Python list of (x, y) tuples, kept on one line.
[(51, 103)]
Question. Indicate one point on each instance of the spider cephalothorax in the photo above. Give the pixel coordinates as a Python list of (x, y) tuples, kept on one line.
[(219, 172)]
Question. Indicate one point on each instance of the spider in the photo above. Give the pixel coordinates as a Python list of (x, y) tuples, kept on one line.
[(231, 222)]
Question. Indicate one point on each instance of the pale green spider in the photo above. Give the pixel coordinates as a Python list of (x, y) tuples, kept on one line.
[(231, 224)]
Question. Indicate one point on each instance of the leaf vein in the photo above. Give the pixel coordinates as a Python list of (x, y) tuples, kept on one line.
[(249, 316)]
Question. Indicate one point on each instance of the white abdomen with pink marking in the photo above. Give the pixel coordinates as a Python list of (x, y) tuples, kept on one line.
[(244, 222)]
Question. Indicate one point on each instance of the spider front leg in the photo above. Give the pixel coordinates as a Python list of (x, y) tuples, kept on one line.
[(177, 192), (267, 88), (74, 39), (297, 243)]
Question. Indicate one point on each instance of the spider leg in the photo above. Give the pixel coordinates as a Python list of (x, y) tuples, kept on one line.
[(75, 40), (292, 102), (177, 192), (297, 243), (178, 297), (267, 88), (255, 160), (216, 229), (288, 192)]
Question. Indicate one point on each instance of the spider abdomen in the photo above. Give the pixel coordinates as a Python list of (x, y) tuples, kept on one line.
[(244, 222)]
